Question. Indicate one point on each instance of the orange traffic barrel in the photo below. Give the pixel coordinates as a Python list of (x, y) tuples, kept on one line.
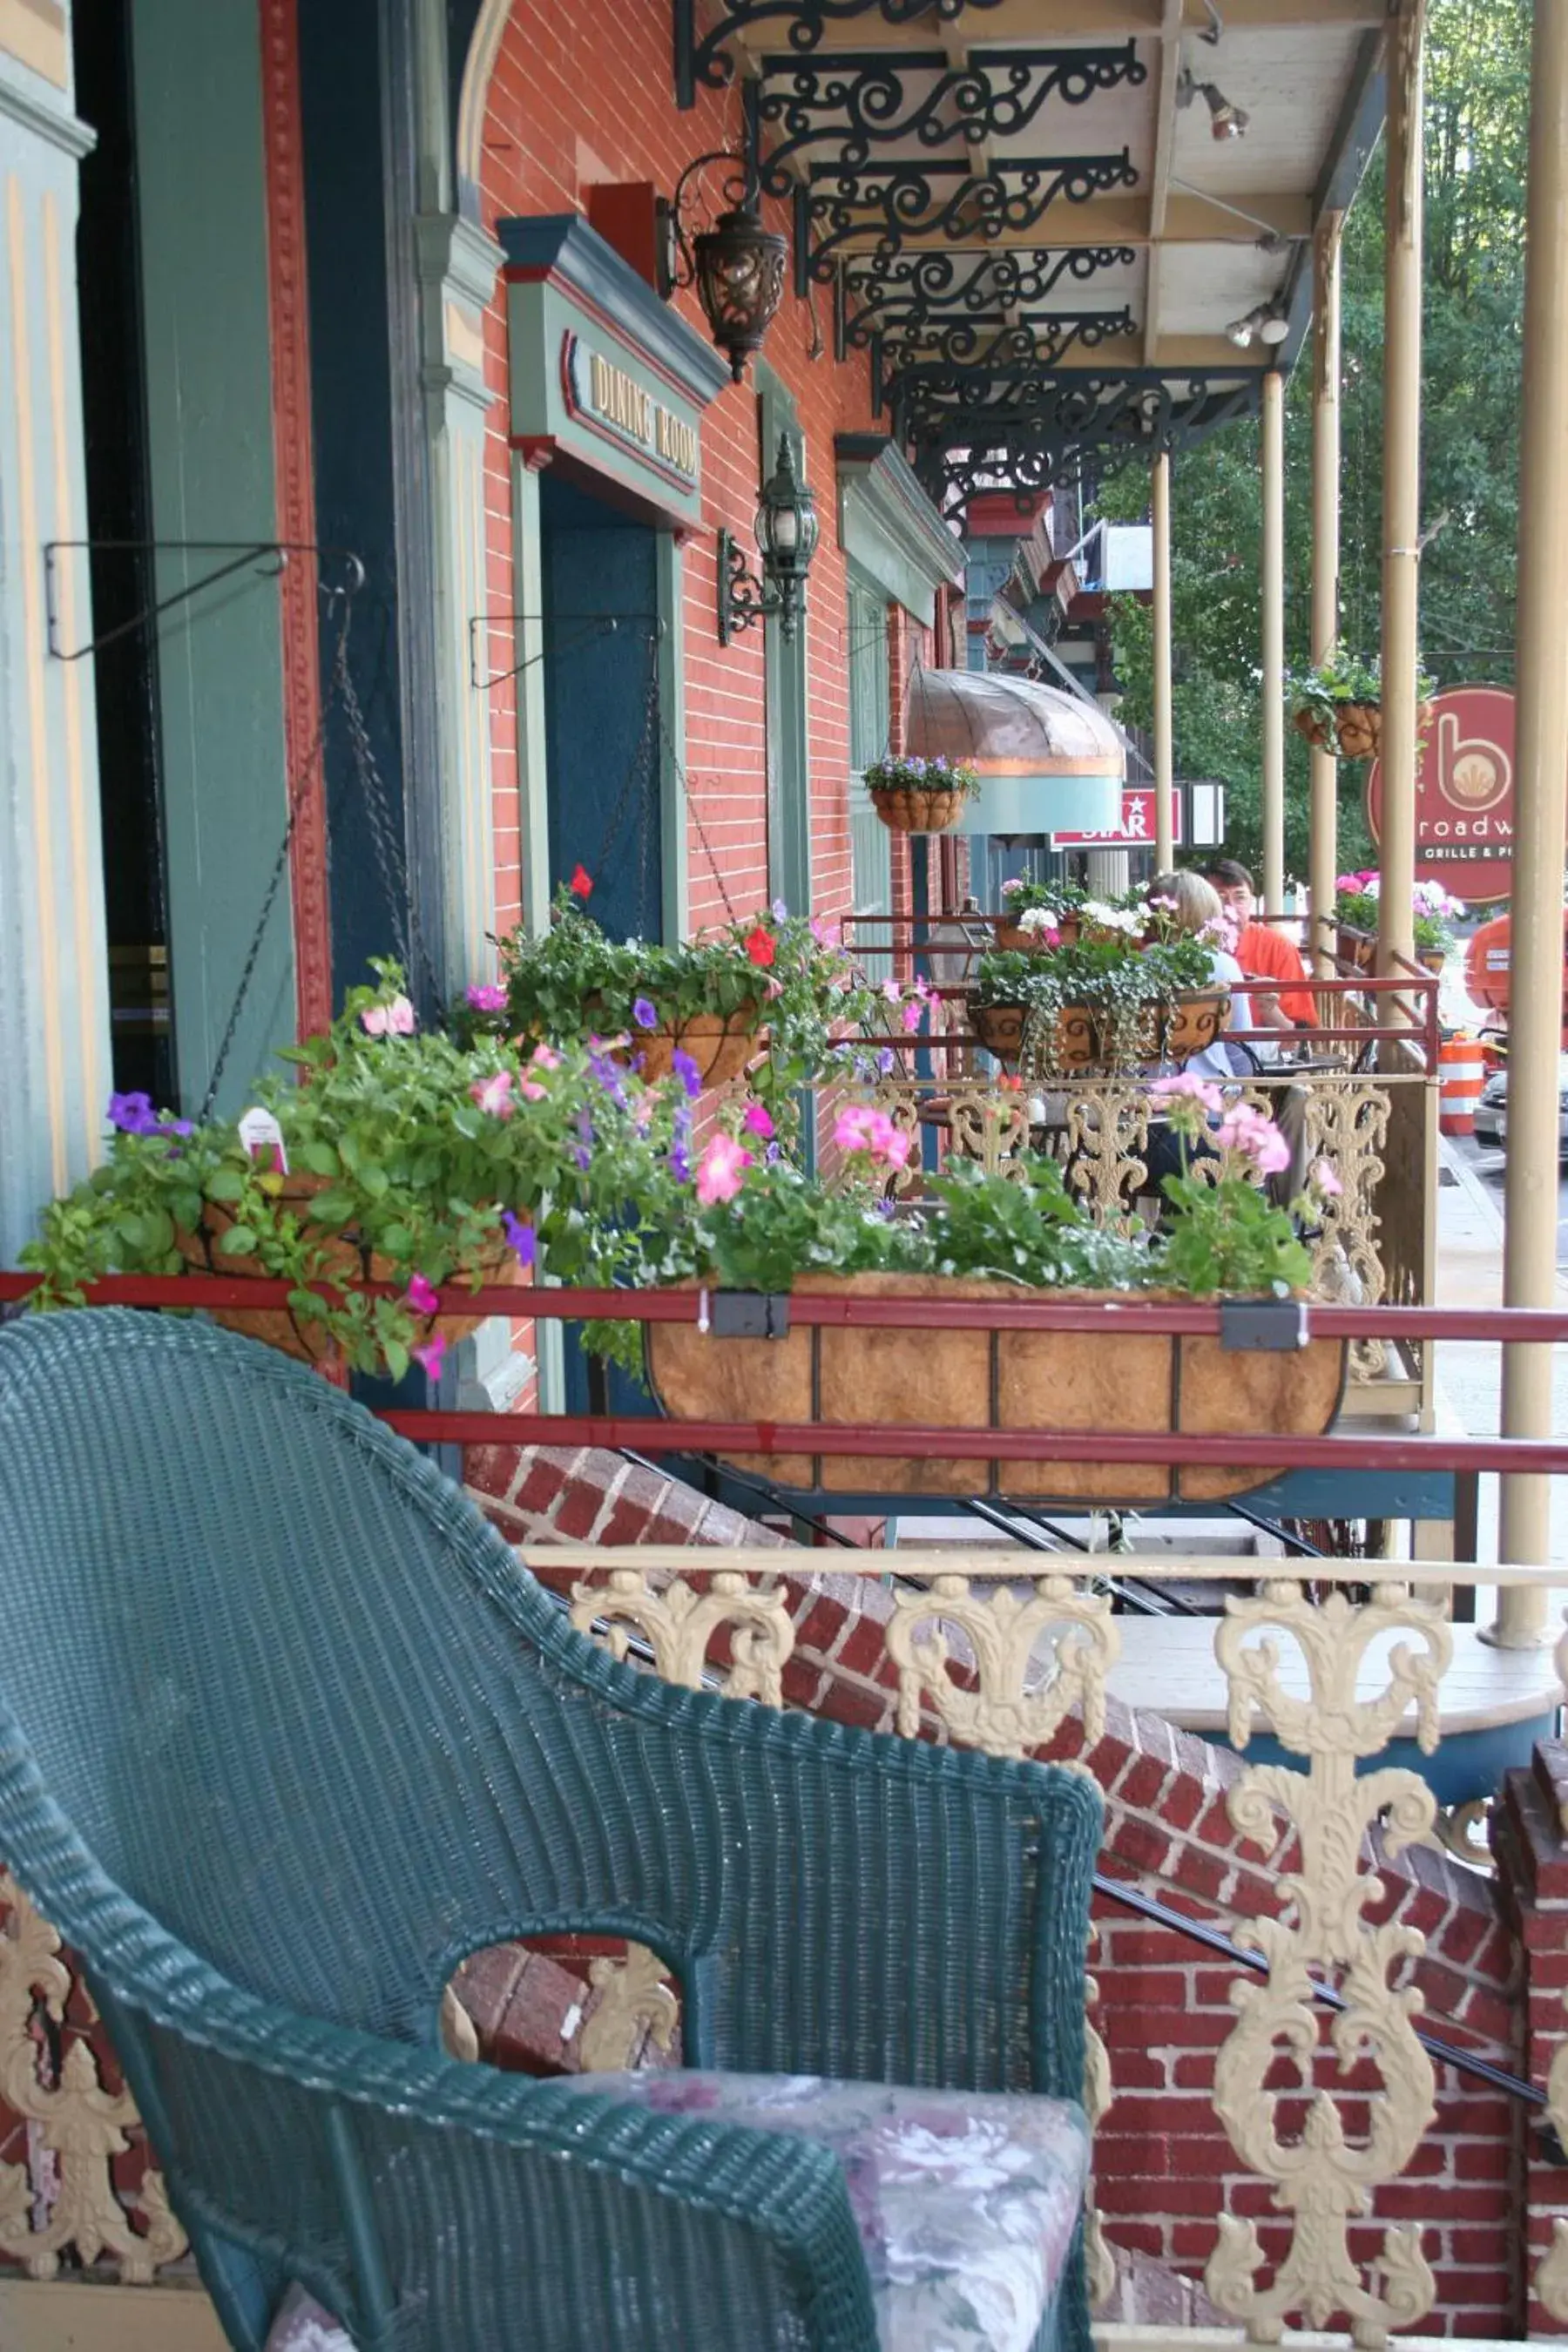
[(1462, 1069)]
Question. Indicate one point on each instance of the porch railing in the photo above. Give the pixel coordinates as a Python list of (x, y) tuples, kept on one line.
[(1327, 1664)]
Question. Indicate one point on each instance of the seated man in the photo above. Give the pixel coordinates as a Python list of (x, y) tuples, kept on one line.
[(1264, 952)]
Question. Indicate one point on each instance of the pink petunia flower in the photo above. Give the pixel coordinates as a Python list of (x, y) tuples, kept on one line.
[(493, 1095), (757, 1122), (422, 1296), (431, 1356), (485, 997), (721, 1171)]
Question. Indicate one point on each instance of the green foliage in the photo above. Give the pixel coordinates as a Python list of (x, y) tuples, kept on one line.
[(1224, 1236), (1476, 129), (787, 972), (1108, 975), (1032, 1232), (395, 1167)]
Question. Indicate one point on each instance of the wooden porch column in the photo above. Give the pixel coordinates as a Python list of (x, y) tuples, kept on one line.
[(1530, 1268), (1401, 484), (1274, 642), (1164, 757), (1323, 851)]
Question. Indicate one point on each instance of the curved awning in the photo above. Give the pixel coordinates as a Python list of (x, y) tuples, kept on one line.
[(1047, 761)]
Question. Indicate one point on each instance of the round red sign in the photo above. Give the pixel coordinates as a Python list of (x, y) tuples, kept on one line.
[(1464, 793)]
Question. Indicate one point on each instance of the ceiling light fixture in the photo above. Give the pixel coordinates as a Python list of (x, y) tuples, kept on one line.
[(1225, 121), (1263, 324)]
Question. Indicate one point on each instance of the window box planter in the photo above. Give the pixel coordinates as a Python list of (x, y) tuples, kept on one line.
[(985, 1380), (1089, 1040)]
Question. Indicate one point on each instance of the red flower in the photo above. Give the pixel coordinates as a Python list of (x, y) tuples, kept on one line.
[(761, 946), (581, 883)]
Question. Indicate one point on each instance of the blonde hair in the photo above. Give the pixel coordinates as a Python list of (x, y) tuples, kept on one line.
[(1196, 902)]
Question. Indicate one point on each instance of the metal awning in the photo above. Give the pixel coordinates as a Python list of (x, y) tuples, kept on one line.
[(1022, 212), (1048, 762)]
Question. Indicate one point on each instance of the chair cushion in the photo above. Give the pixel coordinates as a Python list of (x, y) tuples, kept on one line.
[(966, 2201)]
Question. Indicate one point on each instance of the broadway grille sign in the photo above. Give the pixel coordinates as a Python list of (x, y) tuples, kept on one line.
[(1464, 793)]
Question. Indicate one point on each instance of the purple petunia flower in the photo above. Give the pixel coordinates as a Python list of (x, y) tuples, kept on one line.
[(686, 1071), (781, 912), (487, 998), (886, 1060), (133, 1114), (643, 1013), (582, 1153), (521, 1237), (609, 1077), (681, 1144)]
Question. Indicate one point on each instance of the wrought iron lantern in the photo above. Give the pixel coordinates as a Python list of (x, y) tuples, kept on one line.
[(787, 531), (736, 265)]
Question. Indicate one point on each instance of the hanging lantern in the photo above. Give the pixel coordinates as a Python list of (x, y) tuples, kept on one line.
[(787, 531), (737, 266), (740, 276)]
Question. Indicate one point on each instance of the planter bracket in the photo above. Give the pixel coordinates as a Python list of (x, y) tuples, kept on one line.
[(1262, 1325), (750, 1315)]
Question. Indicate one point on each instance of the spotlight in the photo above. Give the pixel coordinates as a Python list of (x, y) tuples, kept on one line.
[(1263, 324), (1225, 121)]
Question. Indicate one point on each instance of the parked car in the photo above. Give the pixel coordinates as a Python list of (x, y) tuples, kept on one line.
[(1492, 1111)]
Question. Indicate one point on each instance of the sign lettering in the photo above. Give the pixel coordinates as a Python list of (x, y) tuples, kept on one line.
[(1137, 827), (1464, 793), (610, 397)]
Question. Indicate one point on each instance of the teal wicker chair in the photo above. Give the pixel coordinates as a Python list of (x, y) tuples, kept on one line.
[(286, 1733)]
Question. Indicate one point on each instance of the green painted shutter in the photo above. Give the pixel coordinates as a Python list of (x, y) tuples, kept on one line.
[(870, 846)]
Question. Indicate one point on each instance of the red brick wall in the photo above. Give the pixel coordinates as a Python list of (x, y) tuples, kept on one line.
[(1165, 2169), (1532, 1867), (582, 96)]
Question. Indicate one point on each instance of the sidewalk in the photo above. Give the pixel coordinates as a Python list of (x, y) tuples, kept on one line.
[(1470, 1274)]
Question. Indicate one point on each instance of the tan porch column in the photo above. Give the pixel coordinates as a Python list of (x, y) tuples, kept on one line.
[(1165, 756), (1323, 851), (1274, 642), (1401, 483), (1530, 1269)]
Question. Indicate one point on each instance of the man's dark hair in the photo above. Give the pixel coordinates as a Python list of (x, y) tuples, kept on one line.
[(1229, 874)]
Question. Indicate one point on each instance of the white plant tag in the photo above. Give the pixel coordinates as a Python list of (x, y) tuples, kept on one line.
[(259, 1132)]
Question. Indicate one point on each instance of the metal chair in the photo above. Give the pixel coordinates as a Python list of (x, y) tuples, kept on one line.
[(286, 1733)]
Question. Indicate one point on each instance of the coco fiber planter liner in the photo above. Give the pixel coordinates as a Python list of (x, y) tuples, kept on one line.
[(1064, 1381)]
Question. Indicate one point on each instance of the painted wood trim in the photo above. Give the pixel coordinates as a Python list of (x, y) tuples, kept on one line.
[(563, 248), (296, 504), (890, 528), (63, 2315), (56, 124)]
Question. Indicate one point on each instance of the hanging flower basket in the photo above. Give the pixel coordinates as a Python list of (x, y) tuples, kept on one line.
[(1041, 1380), (913, 795), (1314, 727), (1039, 915), (1087, 1039), (303, 1335), (721, 1048), (1358, 729)]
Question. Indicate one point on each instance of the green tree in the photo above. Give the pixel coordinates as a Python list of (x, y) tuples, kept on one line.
[(1475, 138)]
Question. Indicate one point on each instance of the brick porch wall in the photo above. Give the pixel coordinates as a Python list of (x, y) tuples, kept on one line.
[(1165, 2169)]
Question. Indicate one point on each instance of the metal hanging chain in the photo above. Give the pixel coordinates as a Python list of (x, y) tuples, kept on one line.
[(695, 815), (391, 864), (296, 801)]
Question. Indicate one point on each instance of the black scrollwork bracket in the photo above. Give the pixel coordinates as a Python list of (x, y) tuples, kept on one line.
[(899, 295), (858, 101), (745, 598), (894, 203), (1069, 422), (706, 61)]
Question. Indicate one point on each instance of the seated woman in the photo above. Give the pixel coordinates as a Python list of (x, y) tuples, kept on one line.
[(1193, 906)]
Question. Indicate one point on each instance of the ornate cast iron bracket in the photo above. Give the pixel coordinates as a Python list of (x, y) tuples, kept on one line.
[(744, 597), (705, 61), (899, 294), (861, 100), (896, 201), (912, 372), (1074, 419)]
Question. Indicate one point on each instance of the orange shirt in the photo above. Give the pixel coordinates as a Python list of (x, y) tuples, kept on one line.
[(1264, 952)]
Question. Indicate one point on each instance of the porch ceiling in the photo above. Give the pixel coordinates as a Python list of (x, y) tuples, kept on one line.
[(1019, 217)]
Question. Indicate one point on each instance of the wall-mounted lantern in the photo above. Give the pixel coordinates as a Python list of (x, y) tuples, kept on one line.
[(787, 533), (737, 266)]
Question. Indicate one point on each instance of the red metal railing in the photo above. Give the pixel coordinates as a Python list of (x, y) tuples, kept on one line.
[(1192, 1317)]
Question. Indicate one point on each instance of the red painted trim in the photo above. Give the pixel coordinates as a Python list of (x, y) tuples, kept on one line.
[(296, 503), (537, 450)]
